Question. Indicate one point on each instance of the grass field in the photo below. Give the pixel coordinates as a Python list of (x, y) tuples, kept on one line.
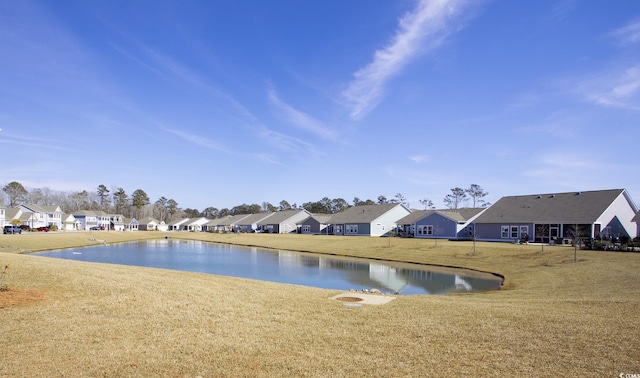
[(553, 317)]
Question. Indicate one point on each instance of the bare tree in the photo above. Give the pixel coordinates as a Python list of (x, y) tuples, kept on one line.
[(541, 231), (437, 231), (577, 233)]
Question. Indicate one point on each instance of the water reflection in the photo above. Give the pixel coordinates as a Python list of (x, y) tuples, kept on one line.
[(322, 271)]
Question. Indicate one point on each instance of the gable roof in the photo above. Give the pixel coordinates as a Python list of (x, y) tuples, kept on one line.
[(320, 218), (11, 213), (570, 207), (362, 214), (68, 218), (415, 216), (179, 222), (227, 220), (461, 215), (253, 218), (148, 220), (281, 216)]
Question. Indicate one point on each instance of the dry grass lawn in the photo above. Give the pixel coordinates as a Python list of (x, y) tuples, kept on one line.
[(553, 317)]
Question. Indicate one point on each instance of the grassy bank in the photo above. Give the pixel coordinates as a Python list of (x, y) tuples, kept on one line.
[(553, 317)]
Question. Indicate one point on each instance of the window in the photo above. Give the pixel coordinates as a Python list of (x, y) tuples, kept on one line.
[(514, 232), (425, 230), (504, 232), (524, 231), (306, 228), (351, 229)]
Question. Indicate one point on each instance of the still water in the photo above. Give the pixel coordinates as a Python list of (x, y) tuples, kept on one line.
[(297, 268)]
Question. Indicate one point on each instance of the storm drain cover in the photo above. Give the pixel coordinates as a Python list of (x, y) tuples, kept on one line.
[(349, 299)]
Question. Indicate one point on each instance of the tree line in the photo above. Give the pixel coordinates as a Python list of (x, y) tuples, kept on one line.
[(137, 204)]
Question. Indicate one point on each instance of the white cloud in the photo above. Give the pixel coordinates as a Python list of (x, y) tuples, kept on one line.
[(285, 142), (300, 119), (425, 28), (627, 34), (620, 89), (197, 140), (419, 158)]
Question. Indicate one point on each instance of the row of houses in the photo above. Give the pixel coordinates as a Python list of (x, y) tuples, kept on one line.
[(36, 216), (547, 218)]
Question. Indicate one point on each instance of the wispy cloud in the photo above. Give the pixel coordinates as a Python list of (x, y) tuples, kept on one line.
[(619, 86), (419, 158), (627, 34), (285, 142), (567, 169), (619, 89), (31, 142), (423, 29), (268, 158), (300, 119), (197, 140)]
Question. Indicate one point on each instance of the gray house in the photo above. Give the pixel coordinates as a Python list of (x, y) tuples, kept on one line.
[(250, 222), (442, 224), (368, 220), (314, 224), (283, 222), (224, 224), (148, 224), (559, 217)]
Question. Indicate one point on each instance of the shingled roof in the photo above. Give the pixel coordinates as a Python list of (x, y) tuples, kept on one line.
[(362, 214), (571, 207)]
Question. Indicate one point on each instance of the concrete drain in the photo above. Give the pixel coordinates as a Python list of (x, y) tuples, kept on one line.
[(349, 299)]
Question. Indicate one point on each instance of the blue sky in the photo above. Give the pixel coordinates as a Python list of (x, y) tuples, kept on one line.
[(219, 103)]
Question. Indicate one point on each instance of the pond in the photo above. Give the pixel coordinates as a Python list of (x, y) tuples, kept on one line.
[(328, 272)]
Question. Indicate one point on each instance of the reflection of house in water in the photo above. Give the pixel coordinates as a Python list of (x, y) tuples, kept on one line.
[(462, 284), (388, 277)]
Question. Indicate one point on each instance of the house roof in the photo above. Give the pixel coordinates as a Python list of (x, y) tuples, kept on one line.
[(11, 213), (51, 209), (281, 216), (415, 216), (461, 215), (457, 215), (197, 221), (320, 218), (179, 222), (570, 207), (85, 213), (253, 218), (362, 214), (148, 220), (68, 218), (227, 220)]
